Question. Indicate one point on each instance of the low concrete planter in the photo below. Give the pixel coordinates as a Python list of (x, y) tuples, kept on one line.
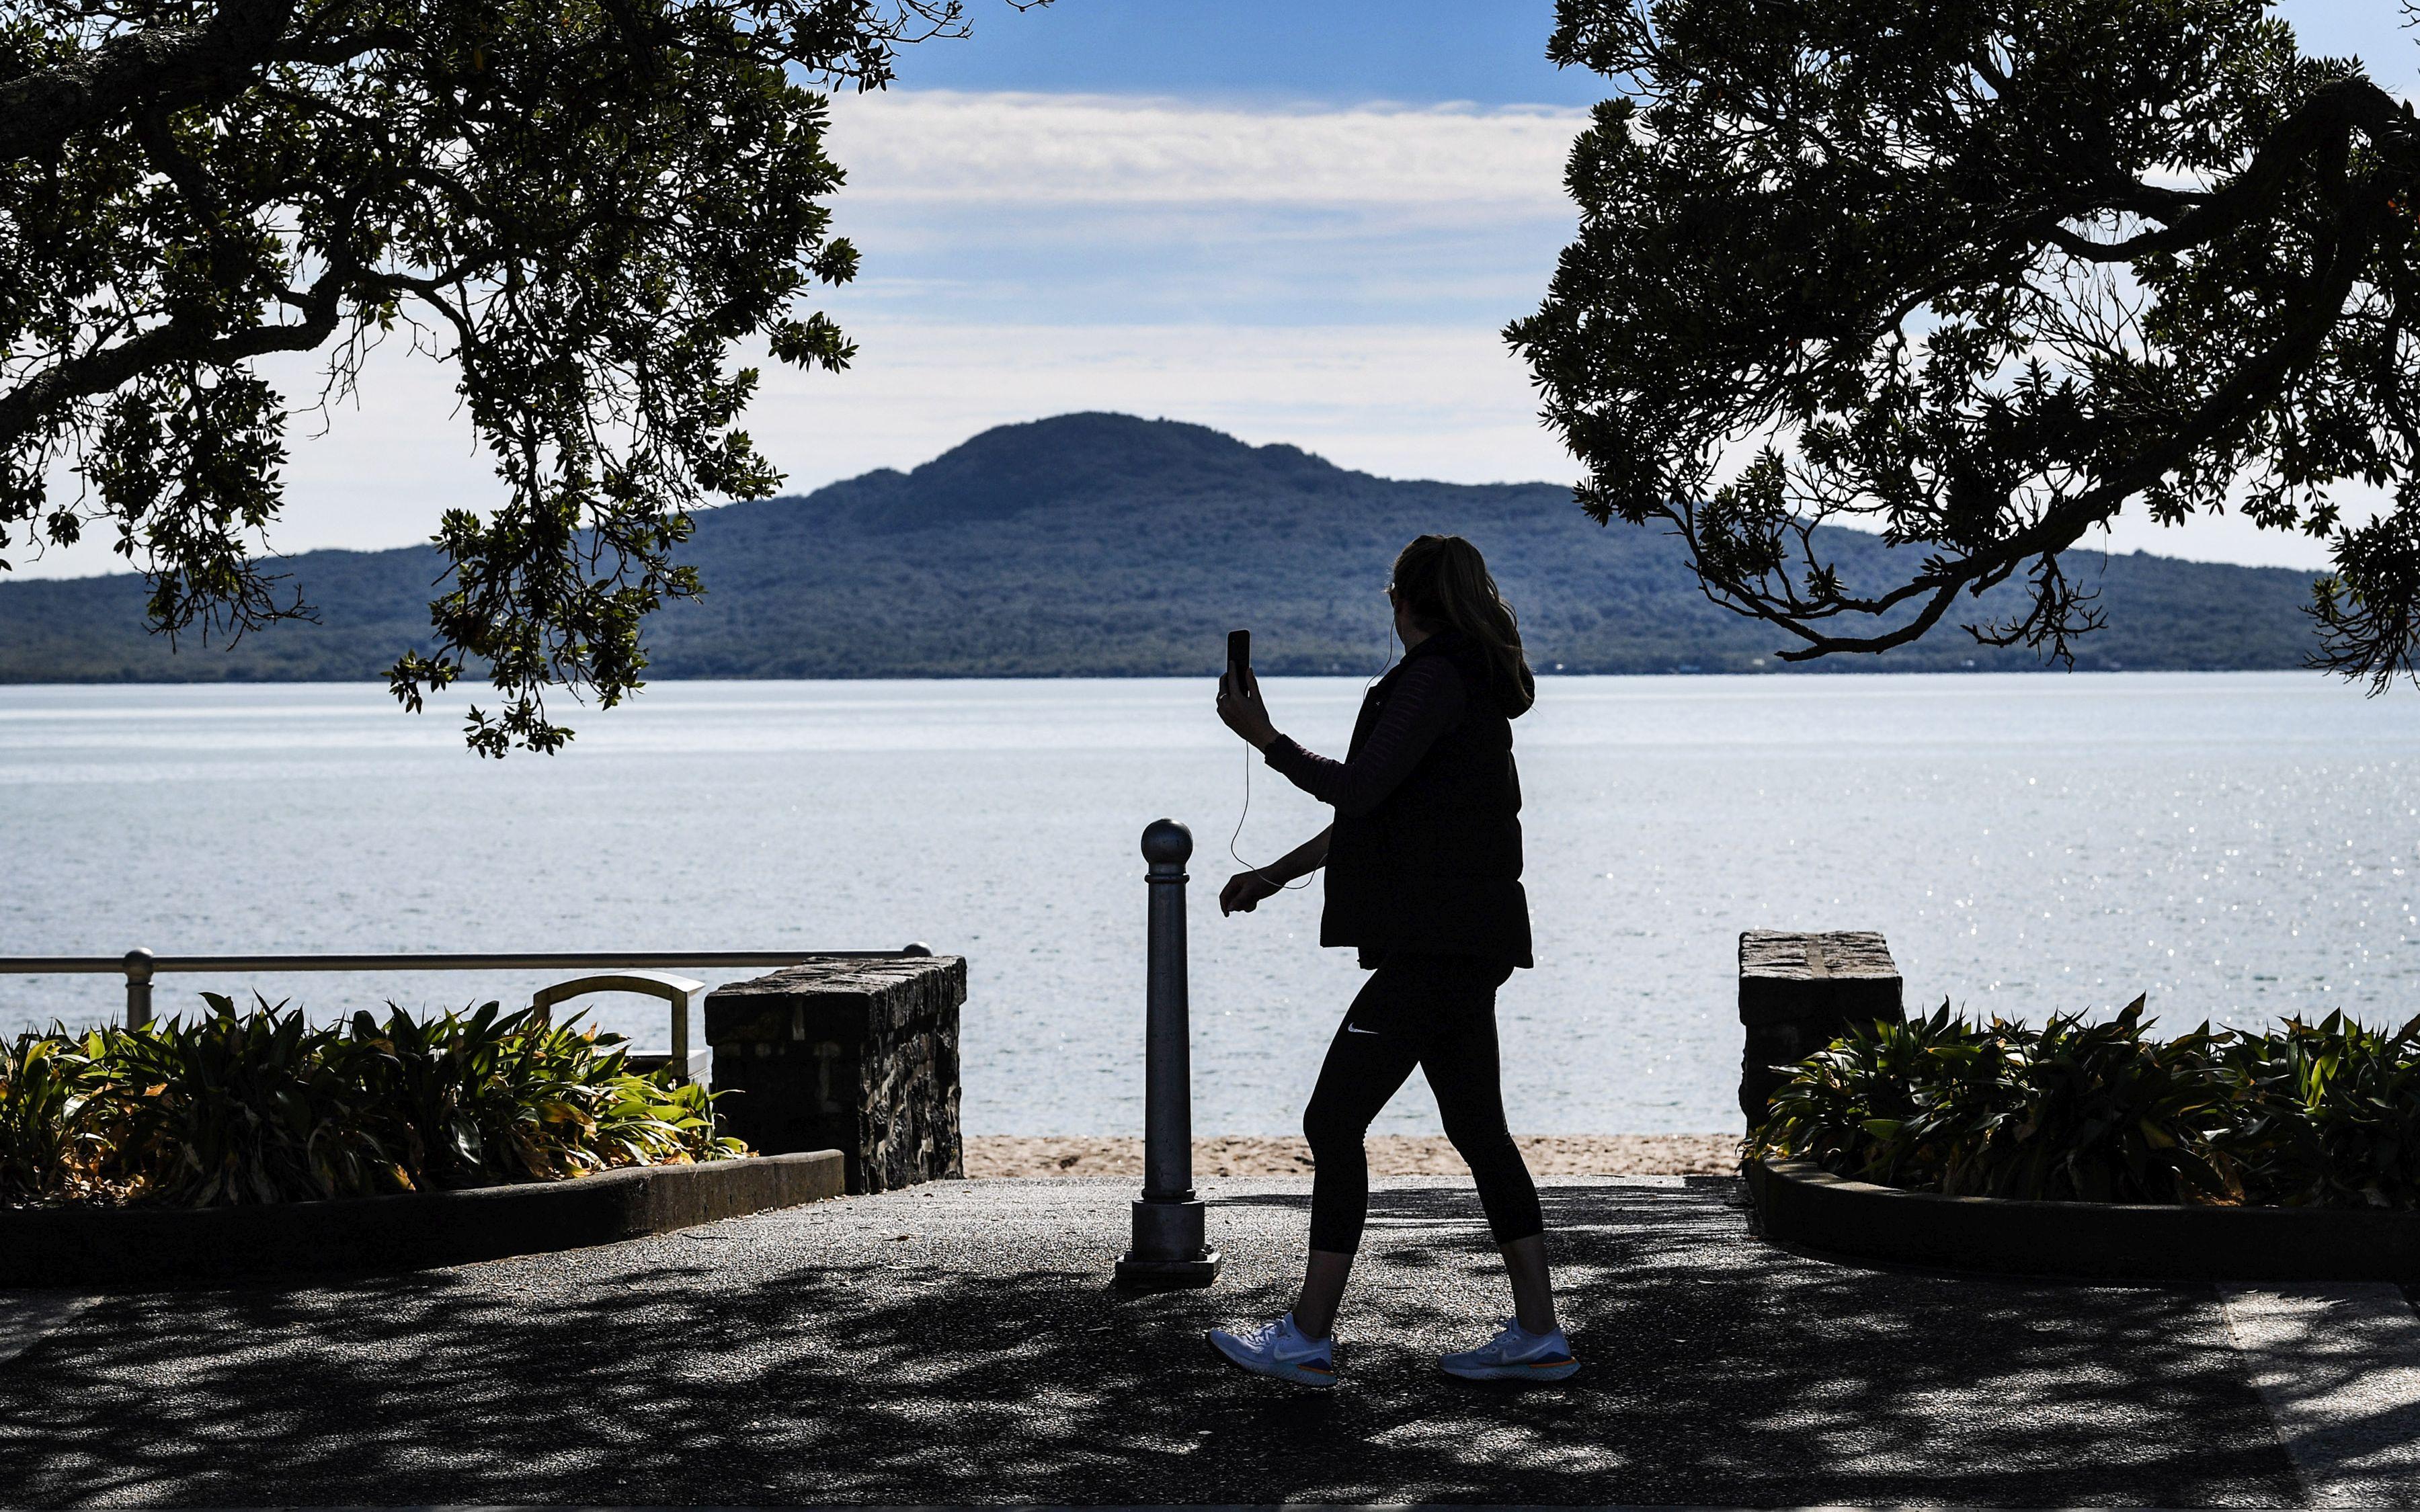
[(186, 1246), (1798, 1203)]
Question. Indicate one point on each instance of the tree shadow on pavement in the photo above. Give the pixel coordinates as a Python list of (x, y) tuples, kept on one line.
[(1718, 1369)]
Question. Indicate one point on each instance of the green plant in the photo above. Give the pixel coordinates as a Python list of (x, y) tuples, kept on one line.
[(260, 1105), (2328, 1114), (490, 1096), (49, 1142), (2101, 1114), (244, 1107), (648, 1123), (1872, 1104), (2068, 1111)]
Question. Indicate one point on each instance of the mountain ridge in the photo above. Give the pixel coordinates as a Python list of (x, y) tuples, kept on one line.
[(1104, 544)]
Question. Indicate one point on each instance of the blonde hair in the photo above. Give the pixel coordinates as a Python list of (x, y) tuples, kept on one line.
[(1444, 583)]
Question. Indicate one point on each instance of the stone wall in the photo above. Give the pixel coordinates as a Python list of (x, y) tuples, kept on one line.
[(858, 1055), (1797, 992)]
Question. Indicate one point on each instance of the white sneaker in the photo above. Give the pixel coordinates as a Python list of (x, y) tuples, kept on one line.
[(1278, 1348), (1514, 1354)]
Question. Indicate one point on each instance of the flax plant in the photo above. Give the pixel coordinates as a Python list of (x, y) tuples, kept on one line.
[(2325, 1114), (50, 1142), (2329, 1114), (260, 1105), (243, 1108)]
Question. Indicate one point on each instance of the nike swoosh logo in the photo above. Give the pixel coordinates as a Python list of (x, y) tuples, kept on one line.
[(1350, 1029)]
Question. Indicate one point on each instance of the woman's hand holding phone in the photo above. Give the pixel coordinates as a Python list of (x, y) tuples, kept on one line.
[(1240, 708), (1243, 891)]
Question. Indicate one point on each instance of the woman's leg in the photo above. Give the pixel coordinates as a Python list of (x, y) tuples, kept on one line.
[(1324, 1276), (1373, 1053), (1465, 1069), (1533, 1286)]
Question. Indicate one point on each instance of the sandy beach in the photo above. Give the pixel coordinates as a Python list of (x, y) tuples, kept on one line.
[(1005, 1155)]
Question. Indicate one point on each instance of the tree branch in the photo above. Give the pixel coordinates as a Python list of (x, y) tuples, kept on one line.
[(165, 67), (2346, 106), (23, 408)]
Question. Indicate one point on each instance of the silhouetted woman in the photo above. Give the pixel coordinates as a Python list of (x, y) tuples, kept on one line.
[(1424, 880)]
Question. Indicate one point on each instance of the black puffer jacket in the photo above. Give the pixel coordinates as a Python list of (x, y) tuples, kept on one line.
[(1428, 858)]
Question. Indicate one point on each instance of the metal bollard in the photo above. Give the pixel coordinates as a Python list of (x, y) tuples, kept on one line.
[(1168, 1249), (139, 988)]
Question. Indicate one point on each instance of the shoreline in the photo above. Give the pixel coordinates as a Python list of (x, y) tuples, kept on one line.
[(1028, 1155)]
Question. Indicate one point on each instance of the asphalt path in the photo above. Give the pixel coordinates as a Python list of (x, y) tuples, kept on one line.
[(960, 1344)]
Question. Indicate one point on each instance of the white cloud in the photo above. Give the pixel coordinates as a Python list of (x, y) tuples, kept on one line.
[(1402, 401), (2231, 537), (1040, 149)]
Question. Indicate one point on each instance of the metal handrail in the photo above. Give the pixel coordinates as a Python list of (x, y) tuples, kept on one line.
[(140, 967), (682, 994)]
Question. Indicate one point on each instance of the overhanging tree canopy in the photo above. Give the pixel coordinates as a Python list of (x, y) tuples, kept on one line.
[(582, 205), (1981, 274)]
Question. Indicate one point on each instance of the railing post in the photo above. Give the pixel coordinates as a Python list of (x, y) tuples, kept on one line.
[(139, 988), (1168, 1248)]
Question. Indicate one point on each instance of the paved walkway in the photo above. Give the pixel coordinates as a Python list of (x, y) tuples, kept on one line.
[(958, 1344)]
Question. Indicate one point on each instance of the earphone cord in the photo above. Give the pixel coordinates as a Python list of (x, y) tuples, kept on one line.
[(1300, 882), (1296, 885)]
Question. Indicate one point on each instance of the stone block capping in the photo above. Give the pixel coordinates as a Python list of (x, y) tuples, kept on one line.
[(138, 1246), (1798, 991), (858, 1056)]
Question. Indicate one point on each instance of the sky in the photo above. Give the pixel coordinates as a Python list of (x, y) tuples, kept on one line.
[(1300, 221)]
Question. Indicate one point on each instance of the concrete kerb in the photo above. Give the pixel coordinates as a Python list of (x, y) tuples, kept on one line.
[(89, 1247), (1800, 1205)]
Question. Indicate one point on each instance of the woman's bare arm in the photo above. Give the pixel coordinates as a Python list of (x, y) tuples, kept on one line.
[(1245, 889), (1302, 860)]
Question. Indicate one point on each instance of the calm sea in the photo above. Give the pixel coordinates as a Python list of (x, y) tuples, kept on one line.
[(2239, 846)]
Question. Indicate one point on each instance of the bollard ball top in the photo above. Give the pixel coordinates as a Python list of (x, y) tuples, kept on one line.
[(1165, 843)]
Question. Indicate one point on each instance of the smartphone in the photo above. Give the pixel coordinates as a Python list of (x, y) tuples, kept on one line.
[(1239, 657)]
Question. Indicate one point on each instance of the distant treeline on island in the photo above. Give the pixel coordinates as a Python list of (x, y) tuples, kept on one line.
[(1099, 545)]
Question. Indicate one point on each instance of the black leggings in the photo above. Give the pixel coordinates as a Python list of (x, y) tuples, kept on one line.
[(1437, 1012)]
